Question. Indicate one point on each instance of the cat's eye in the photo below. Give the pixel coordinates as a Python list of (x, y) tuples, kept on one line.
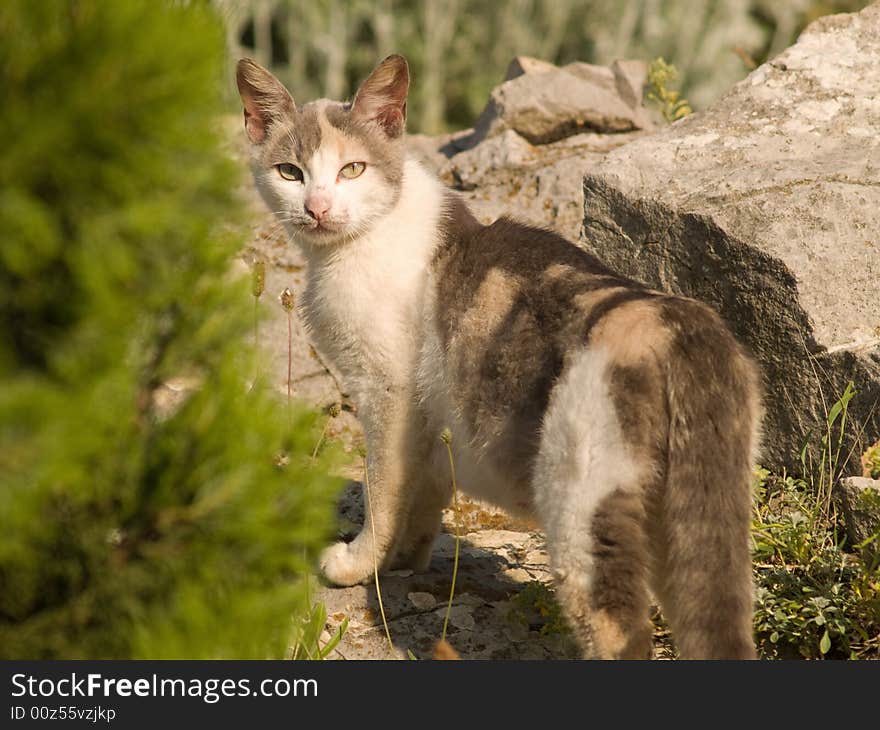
[(353, 170), (289, 171)]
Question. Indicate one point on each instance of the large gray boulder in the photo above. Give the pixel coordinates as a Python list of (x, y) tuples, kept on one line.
[(542, 128), (767, 205)]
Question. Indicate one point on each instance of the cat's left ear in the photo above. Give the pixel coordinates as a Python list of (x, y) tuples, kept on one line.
[(382, 97), (264, 98)]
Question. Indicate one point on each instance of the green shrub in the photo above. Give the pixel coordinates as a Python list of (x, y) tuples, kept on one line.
[(814, 598), (131, 529)]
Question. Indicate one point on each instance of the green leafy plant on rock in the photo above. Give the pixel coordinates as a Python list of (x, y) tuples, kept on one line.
[(661, 76), (871, 462), (536, 603), (814, 597)]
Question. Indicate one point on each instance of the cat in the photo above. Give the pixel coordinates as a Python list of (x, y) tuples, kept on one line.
[(625, 420)]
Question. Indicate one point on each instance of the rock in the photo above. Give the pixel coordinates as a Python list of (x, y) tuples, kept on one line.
[(544, 103), (543, 128), (461, 617), (517, 575), (540, 185), (767, 206), (526, 64), (859, 500), (630, 78), (421, 600)]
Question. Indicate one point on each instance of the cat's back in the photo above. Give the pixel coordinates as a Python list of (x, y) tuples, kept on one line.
[(526, 283), (517, 305)]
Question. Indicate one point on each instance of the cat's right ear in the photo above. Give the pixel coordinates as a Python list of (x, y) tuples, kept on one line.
[(264, 98)]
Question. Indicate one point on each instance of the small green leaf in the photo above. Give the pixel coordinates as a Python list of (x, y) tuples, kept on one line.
[(825, 643), (335, 639)]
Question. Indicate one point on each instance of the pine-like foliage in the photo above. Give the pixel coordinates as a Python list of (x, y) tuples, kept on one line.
[(126, 531)]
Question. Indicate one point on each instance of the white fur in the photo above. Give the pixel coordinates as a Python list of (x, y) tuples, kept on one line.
[(363, 299), (363, 304), (582, 459)]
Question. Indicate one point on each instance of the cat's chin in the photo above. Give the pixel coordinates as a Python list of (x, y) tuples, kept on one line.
[(323, 235), (320, 236)]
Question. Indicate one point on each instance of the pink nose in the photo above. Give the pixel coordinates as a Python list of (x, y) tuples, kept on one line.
[(318, 206)]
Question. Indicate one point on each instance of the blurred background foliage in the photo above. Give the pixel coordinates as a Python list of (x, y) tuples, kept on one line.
[(459, 49), (131, 527)]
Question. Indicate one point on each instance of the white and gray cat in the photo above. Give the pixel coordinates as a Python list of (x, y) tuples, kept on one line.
[(624, 419)]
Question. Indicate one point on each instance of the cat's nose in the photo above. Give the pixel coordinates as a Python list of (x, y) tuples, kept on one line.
[(317, 206)]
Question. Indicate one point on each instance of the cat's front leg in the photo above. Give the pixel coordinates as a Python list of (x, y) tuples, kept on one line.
[(387, 421)]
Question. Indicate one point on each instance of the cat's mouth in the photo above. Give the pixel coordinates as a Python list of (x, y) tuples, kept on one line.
[(323, 229)]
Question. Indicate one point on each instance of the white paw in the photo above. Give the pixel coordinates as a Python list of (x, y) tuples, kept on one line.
[(343, 565)]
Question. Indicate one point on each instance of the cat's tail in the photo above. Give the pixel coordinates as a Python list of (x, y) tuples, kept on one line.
[(714, 408)]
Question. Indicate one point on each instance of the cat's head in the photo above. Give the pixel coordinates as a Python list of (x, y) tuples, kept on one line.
[(327, 169)]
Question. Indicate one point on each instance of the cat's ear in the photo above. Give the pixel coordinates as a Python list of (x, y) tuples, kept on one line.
[(264, 98), (382, 97)]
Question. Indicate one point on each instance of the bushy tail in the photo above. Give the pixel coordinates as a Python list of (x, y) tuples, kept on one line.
[(714, 405)]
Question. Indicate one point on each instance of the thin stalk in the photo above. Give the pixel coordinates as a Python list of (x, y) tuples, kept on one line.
[(258, 286), (289, 358), (321, 437), (256, 339), (286, 298), (375, 560), (333, 411), (289, 368), (446, 437)]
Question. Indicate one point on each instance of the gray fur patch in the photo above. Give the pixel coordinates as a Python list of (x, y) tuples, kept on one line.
[(505, 376), (295, 138), (386, 154)]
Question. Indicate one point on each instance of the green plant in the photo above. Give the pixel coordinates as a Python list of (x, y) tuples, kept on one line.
[(135, 528), (537, 599), (306, 639), (661, 75), (871, 462), (813, 598), (823, 476)]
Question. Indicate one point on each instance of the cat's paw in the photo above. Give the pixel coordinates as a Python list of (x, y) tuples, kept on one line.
[(343, 565)]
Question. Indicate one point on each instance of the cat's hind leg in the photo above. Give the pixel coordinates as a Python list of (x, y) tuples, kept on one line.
[(590, 498), (432, 493)]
